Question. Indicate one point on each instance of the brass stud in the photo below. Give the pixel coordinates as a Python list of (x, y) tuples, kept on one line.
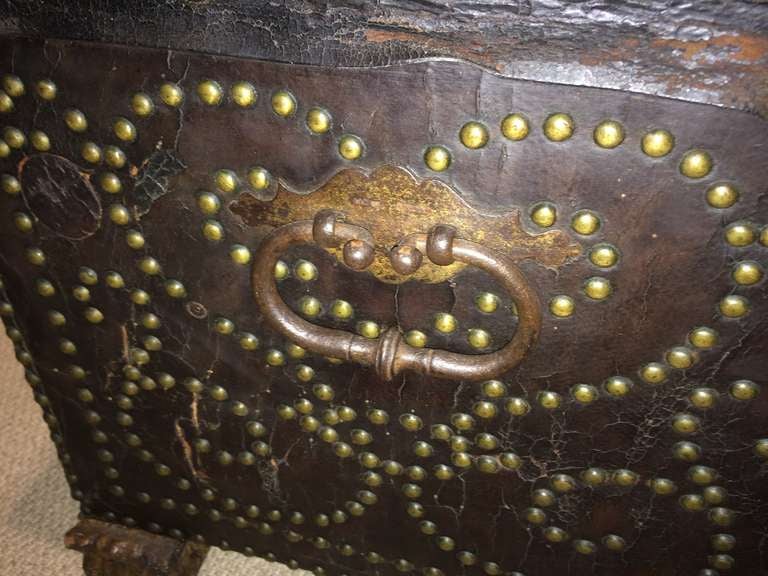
[(46, 89), (445, 323), (722, 195), (494, 389), (658, 143), (543, 497), (226, 180), (740, 234), (259, 178), (702, 337), (764, 236), (484, 409), (81, 293), (584, 393), (75, 120), (14, 138), (22, 222), (341, 310), (283, 103), (478, 339), (368, 329), (5, 150), (248, 341), (685, 424), (747, 273), (171, 94), (91, 153), (653, 373), (351, 147), (487, 302), (549, 400), (555, 534), (563, 483), (761, 448), (585, 222), (142, 104), (515, 127), (733, 306), (696, 164), (318, 120), (608, 134), (517, 406), (744, 390), (115, 157), (585, 547), (722, 542), (56, 318), (603, 255), (437, 158), (561, 306), (305, 270), (411, 422), (124, 129), (680, 357), (459, 443), (378, 416), (275, 357), (416, 338), (323, 392), (174, 288), (624, 477), (13, 85), (114, 280), (663, 486), (110, 183), (686, 451), (295, 351), (239, 254), (703, 398), (594, 476), (559, 127), (721, 516), (544, 214), (119, 214), (224, 326), (139, 297), (474, 135), (88, 276), (45, 288), (702, 475), (484, 440), (692, 502), (67, 347), (149, 265), (243, 94), (10, 184), (6, 103), (209, 92), (40, 141), (510, 460), (487, 464), (213, 231), (462, 421), (598, 288)]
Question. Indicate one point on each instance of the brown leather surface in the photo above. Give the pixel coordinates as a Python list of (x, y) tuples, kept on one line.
[(674, 269)]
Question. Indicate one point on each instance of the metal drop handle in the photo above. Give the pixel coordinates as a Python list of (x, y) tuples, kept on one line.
[(389, 353)]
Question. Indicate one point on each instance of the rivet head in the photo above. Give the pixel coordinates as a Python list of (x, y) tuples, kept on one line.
[(744, 390), (733, 306), (209, 92), (544, 214), (584, 393), (764, 236), (40, 140), (702, 475), (761, 448), (351, 147), (368, 329), (22, 222), (171, 94), (437, 158), (283, 103), (692, 502), (240, 254), (680, 357), (478, 339), (740, 234), (119, 214), (543, 497), (624, 477), (608, 134), (10, 184), (142, 104), (124, 129), (318, 120), (248, 341), (722, 542), (561, 306), (517, 406), (341, 309), (585, 547), (110, 183), (550, 400), (46, 89), (91, 153), (653, 373), (305, 270), (487, 302), (243, 94), (703, 398), (114, 156), (75, 120), (663, 486), (474, 135), (6, 103), (555, 534), (686, 451), (149, 265), (13, 85), (559, 127), (594, 476), (213, 231), (722, 195), (259, 178), (14, 138), (685, 424), (658, 143), (5, 150), (484, 409), (598, 288), (208, 203), (445, 323), (416, 338), (563, 483), (462, 421), (696, 164), (747, 273), (603, 255), (702, 337), (310, 306), (585, 222), (721, 516), (494, 389), (515, 127)]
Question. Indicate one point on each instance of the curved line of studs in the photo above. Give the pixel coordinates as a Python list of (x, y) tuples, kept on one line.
[(696, 164)]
